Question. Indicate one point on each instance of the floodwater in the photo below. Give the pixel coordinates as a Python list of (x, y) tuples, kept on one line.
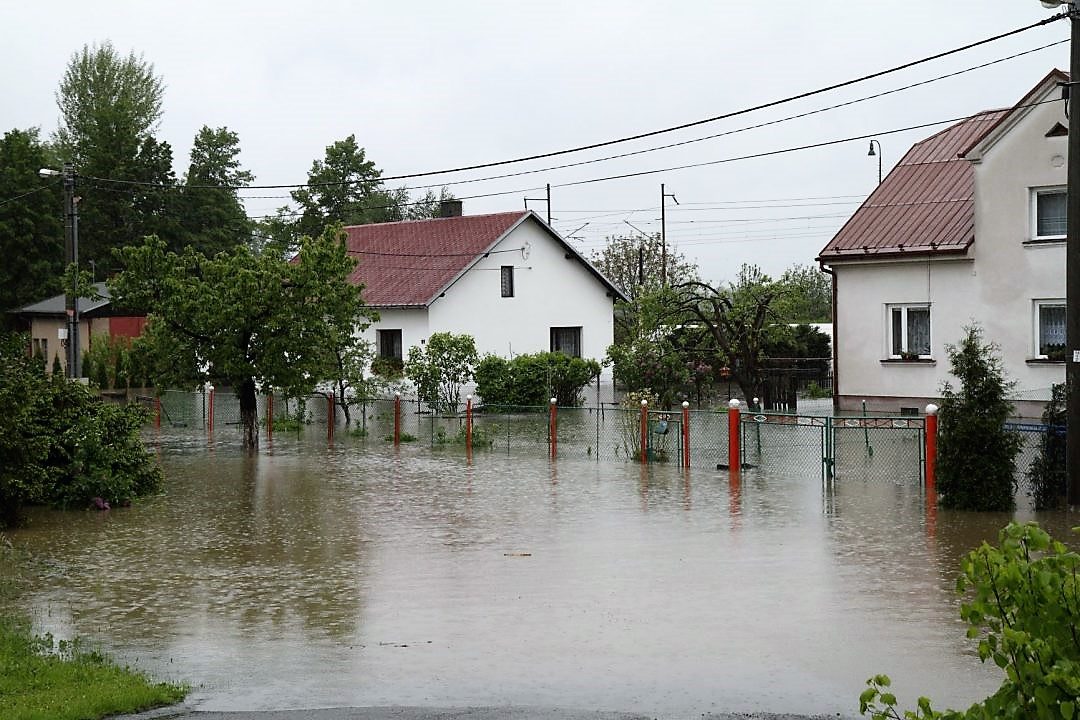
[(355, 575)]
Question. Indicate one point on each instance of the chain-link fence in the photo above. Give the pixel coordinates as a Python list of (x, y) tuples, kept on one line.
[(878, 449), (1034, 438)]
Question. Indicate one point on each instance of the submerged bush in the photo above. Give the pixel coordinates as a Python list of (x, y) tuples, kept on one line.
[(532, 380), (1047, 483)]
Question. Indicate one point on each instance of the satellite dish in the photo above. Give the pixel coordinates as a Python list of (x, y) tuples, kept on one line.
[(525, 250)]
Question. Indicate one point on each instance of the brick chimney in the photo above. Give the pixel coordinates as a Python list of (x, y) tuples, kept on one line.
[(449, 208)]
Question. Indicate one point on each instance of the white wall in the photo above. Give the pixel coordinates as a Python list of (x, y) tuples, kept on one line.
[(549, 291), (995, 285)]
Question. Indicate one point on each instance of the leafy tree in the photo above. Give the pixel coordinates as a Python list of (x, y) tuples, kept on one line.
[(650, 356), (62, 446), (532, 380), (31, 224), (239, 319), (1023, 603), (440, 368), (635, 264), (110, 106), (738, 322), (976, 454), (213, 217), (1047, 482), (809, 295)]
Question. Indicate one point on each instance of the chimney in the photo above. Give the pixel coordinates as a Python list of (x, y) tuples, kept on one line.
[(449, 208)]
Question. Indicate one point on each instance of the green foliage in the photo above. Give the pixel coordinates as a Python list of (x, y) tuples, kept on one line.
[(57, 368), (634, 263), (211, 215), (532, 380), (1022, 602), (239, 318), (482, 437), (1047, 482), (65, 680), (31, 230), (402, 437), (440, 368), (651, 352), (814, 391), (808, 296), (60, 445), (976, 455)]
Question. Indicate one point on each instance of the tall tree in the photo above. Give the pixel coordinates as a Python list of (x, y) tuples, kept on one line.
[(31, 224), (246, 320), (110, 106), (213, 217), (809, 295), (635, 264)]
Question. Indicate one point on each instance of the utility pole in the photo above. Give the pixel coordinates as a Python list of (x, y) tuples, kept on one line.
[(663, 232), (71, 246), (546, 199)]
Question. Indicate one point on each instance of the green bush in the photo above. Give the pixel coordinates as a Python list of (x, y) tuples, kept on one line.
[(532, 380), (62, 446), (1047, 483), (440, 368), (976, 455), (1023, 603)]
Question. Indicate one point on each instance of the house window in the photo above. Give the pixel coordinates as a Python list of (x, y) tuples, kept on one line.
[(390, 344), (508, 281), (1049, 213), (566, 340), (909, 331), (1050, 329)]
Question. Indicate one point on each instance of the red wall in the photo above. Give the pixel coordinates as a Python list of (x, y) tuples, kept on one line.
[(126, 327)]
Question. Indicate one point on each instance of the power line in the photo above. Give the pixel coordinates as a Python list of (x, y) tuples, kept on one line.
[(25, 194), (654, 133)]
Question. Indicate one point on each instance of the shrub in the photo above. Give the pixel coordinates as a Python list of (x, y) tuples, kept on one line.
[(1047, 483), (1023, 599), (532, 380), (976, 454), (440, 369)]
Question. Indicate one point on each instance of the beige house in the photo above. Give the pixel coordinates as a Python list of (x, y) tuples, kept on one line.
[(969, 227)]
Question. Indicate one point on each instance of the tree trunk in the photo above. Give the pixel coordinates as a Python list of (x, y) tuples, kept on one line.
[(249, 415), (344, 404)]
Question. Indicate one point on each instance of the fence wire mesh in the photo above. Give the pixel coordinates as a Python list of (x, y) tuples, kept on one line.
[(1034, 438), (878, 449)]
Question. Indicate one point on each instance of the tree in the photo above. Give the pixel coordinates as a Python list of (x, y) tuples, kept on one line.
[(110, 106), (1021, 602), (635, 264), (213, 218), (738, 322), (240, 319), (31, 225), (809, 295), (1047, 482), (440, 368), (976, 454), (649, 356)]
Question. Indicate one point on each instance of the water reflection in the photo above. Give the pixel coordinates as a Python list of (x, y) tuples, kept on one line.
[(358, 574)]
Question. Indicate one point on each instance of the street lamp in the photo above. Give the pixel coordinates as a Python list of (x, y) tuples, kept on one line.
[(663, 232), (1072, 263), (878, 153), (71, 251)]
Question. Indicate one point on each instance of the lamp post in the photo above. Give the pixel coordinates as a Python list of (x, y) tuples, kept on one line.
[(663, 232), (1072, 262), (878, 153), (71, 251)]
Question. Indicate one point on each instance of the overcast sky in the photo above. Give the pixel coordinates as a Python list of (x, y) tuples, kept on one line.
[(427, 86)]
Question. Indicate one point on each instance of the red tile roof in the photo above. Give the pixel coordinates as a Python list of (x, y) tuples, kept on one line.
[(410, 263), (926, 205)]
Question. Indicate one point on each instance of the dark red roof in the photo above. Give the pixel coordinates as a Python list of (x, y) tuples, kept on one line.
[(409, 263), (925, 205)]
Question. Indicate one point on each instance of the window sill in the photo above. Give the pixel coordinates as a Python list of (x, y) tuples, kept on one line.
[(1046, 241), (1044, 361), (901, 361)]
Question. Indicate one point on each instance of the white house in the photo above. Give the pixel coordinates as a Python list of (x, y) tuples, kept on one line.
[(970, 226), (507, 279)]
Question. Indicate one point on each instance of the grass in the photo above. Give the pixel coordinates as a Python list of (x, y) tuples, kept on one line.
[(45, 680)]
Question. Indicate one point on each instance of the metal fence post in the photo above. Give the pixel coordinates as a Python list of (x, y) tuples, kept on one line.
[(270, 415), (210, 414), (931, 446), (468, 425), (734, 422), (157, 413), (644, 432), (397, 419), (553, 426), (331, 416), (686, 433)]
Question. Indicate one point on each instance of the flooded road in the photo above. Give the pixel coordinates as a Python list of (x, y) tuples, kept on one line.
[(358, 576)]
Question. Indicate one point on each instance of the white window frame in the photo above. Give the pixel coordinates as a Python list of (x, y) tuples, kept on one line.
[(904, 308), (1035, 193), (1036, 305)]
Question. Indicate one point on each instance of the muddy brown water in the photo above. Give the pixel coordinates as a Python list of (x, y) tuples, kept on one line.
[(357, 575)]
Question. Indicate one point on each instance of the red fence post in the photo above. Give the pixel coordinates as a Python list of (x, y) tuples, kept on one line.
[(553, 426), (644, 431), (157, 413), (468, 422), (931, 446), (686, 434), (734, 454), (397, 419), (210, 414), (270, 415), (331, 417)]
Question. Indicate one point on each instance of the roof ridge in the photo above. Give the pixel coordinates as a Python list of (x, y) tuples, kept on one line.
[(424, 220)]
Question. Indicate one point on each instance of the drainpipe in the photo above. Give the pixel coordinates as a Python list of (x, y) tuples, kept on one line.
[(835, 338)]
